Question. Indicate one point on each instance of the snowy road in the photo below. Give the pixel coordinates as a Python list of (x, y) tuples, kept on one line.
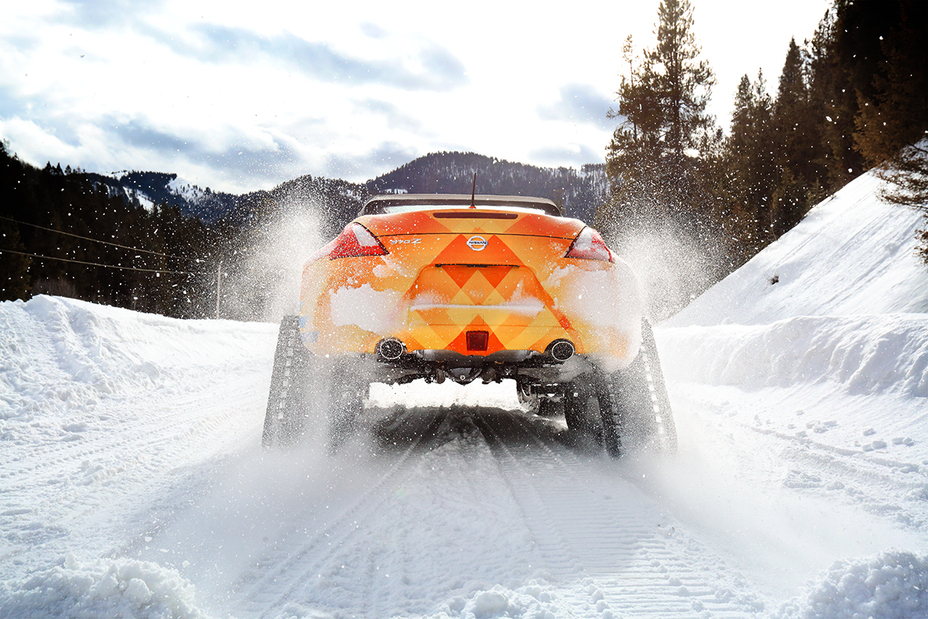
[(133, 481), (456, 509), (476, 511)]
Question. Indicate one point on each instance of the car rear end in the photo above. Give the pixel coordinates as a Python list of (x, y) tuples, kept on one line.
[(462, 286)]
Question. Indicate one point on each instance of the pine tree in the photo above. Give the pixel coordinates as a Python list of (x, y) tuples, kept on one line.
[(832, 100), (663, 106), (892, 124), (749, 170), (14, 267), (882, 47), (683, 82), (798, 135), (664, 159)]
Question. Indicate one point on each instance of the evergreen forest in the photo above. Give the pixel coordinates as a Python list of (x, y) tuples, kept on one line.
[(853, 98)]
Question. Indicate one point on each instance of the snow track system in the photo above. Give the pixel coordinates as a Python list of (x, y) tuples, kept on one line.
[(284, 417)]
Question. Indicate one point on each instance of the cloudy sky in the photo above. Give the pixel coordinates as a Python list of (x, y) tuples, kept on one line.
[(243, 96)]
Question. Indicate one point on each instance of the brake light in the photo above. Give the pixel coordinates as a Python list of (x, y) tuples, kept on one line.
[(589, 245), (355, 240)]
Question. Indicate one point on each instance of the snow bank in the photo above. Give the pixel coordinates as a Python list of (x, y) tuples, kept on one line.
[(863, 354), (101, 410), (832, 314), (119, 588), (821, 342), (893, 585), (63, 355)]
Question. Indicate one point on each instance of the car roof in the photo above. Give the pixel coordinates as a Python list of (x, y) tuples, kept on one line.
[(376, 204)]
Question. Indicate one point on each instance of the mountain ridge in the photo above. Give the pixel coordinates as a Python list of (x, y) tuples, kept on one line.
[(579, 192)]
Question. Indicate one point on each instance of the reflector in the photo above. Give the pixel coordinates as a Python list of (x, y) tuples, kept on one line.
[(478, 340)]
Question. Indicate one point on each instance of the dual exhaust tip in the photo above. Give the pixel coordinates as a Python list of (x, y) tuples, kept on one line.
[(391, 349), (561, 350)]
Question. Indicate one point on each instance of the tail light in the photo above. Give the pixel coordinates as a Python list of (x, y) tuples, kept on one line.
[(589, 245), (355, 240)]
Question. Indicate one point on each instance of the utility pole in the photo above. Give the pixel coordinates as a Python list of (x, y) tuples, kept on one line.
[(218, 287)]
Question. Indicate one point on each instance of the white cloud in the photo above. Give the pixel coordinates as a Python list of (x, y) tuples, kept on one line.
[(243, 97)]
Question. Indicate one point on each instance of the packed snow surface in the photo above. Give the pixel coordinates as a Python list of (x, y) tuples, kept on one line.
[(133, 484)]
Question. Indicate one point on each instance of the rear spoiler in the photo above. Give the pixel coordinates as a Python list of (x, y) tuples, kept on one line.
[(377, 204)]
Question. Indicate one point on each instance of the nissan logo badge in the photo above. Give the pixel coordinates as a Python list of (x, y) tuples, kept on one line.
[(477, 243)]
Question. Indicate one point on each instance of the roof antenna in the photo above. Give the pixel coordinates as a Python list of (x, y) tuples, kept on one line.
[(473, 193)]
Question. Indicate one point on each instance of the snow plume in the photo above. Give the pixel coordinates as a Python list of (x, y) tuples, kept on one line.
[(672, 267), (263, 283)]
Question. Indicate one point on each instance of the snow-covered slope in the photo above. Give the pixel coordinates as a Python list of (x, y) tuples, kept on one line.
[(132, 482), (103, 415), (837, 304), (821, 342), (852, 254)]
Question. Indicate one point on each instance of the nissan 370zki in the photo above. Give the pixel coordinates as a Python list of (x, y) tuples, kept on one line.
[(464, 288)]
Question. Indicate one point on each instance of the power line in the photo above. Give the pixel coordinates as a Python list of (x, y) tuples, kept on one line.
[(95, 264), (85, 238)]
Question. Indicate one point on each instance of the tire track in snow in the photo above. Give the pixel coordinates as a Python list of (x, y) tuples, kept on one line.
[(395, 586), (560, 562), (286, 575), (856, 476), (795, 462), (611, 545), (103, 474), (563, 523), (152, 434)]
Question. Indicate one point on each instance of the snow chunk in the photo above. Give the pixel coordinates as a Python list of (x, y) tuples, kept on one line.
[(535, 599), (603, 298), (490, 603), (891, 585), (122, 588)]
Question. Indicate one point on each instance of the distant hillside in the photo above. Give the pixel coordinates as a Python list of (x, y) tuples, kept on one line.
[(579, 192), (147, 189)]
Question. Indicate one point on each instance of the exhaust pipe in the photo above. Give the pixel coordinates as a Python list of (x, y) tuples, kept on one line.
[(390, 349), (561, 350)]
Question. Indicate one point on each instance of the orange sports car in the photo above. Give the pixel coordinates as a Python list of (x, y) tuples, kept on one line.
[(468, 287)]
